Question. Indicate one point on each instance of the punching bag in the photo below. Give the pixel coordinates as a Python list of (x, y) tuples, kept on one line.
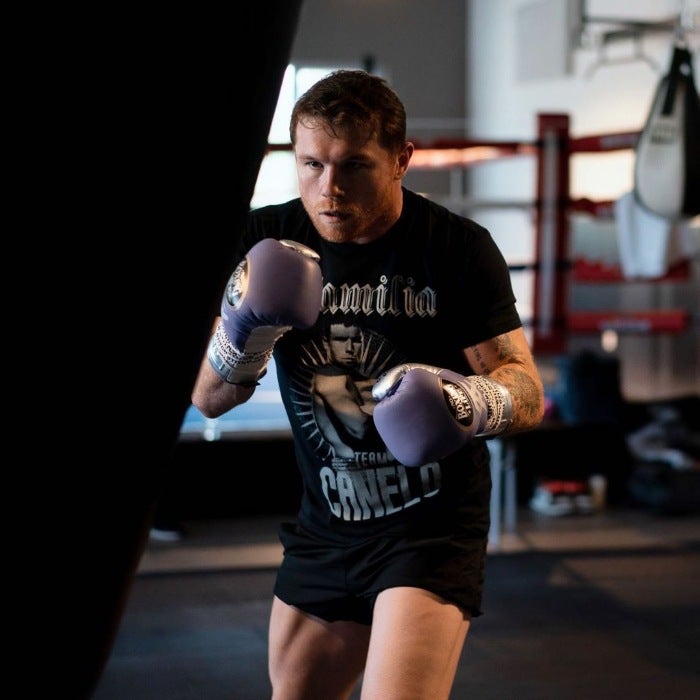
[(667, 153), (174, 134)]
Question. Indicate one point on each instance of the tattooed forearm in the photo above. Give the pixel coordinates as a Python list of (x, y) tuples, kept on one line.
[(507, 359), (526, 393)]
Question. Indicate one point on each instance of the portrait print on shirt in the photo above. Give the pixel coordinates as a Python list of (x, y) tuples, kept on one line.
[(332, 396)]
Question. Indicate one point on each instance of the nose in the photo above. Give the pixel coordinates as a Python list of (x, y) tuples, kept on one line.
[(332, 186)]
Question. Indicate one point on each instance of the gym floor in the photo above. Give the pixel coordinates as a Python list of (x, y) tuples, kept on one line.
[(586, 607)]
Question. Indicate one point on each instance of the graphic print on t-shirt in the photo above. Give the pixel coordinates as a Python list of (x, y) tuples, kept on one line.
[(332, 397), (345, 367)]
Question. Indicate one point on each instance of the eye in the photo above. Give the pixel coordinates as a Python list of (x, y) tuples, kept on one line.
[(314, 164)]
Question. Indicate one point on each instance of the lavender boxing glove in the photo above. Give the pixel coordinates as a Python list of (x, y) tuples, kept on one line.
[(275, 288), (425, 413)]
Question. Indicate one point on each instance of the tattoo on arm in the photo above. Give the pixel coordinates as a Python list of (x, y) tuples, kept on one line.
[(525, 393), (513, 369), (480, 359), (505, 351)]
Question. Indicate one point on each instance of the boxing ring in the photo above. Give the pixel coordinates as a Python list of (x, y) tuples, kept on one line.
[(553, 269)]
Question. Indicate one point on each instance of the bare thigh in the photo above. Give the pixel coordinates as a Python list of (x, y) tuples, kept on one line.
[(311, 659), (415, 647)]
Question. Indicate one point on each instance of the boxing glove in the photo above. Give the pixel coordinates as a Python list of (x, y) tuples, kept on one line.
[(275, 288), (425, 413)]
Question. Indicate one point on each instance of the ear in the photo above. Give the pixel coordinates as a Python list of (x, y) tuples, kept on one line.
[(404, 159)]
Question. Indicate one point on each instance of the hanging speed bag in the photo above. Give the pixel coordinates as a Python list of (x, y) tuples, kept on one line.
[(667, 153)]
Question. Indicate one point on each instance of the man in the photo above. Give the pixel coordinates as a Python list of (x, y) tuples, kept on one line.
[(383, 568)]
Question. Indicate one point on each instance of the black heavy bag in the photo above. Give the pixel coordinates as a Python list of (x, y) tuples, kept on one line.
[(667, 154)]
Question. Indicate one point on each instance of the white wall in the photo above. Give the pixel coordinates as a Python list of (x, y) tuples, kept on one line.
[(602, 99)]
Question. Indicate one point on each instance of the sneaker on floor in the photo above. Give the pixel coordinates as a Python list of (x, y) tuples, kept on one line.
[(547, 501), (580, 493)]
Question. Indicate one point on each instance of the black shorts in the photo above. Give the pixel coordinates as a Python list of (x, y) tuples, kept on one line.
[(342, 582)]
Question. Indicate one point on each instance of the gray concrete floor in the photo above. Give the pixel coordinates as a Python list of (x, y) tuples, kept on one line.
[(597, 607)]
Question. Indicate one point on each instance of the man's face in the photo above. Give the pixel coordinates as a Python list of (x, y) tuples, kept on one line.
[(345, 344), (350, 186)]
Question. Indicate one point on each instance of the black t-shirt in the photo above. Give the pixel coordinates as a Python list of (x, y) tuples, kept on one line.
[(433, 285)]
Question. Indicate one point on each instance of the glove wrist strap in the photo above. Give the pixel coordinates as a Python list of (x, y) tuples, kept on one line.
[(499, 403), (234, 366)]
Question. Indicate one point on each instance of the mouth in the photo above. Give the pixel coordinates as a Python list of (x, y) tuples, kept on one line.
[(334, 215)]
